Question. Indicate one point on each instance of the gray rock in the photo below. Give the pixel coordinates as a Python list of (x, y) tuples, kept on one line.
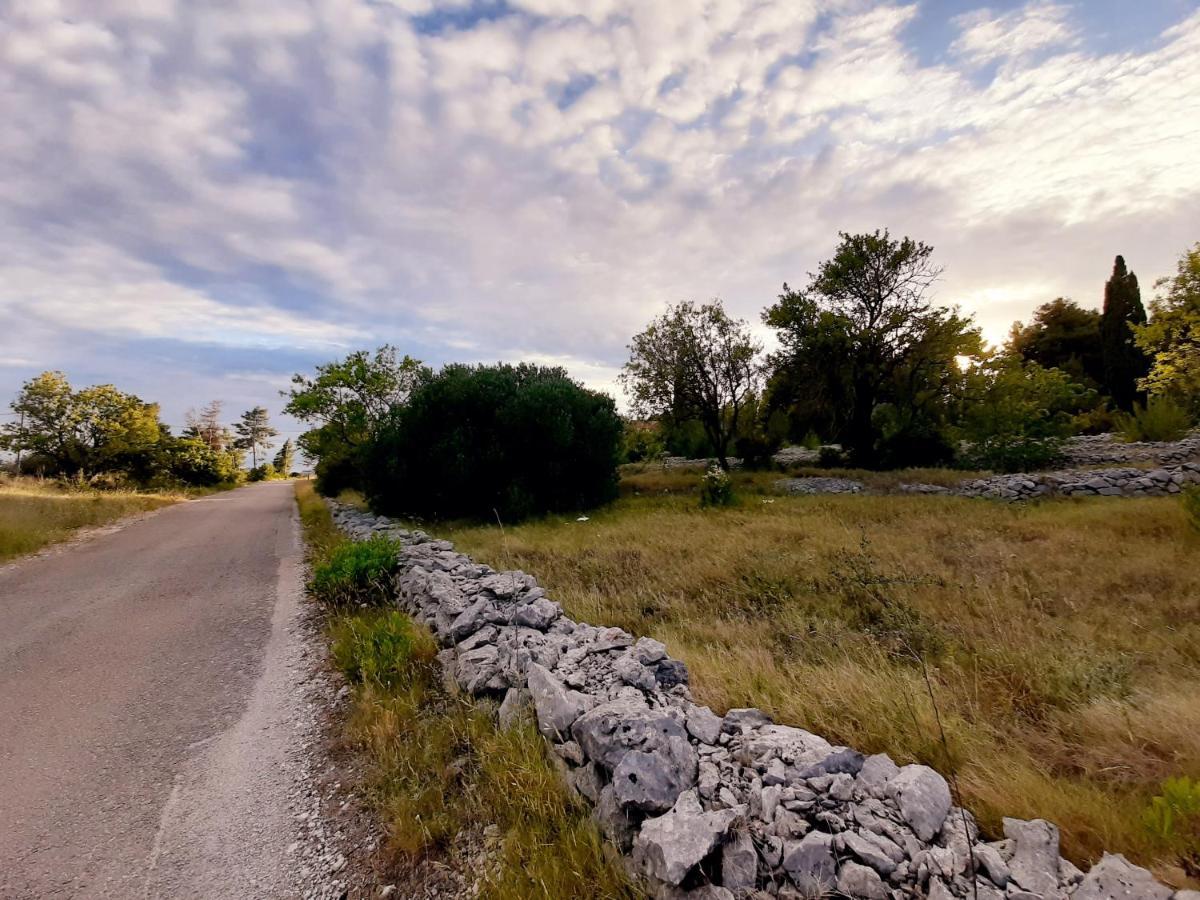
[(615, 823), (1115, 878), (612, 729), (516, 702), (869, 852), (670, 673), (703, 724), (876, 772), (632, 672), (479, 671), (539, 614), (923, 798), (471, 619), (739, 864), (738, 721), (989, 861), (557, 707), (648, 782), (810, 863), (1034, 863), (669, 846), (648, 651), (860, 881)]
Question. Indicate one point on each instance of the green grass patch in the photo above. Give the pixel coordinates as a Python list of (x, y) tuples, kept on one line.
[(355, 572)]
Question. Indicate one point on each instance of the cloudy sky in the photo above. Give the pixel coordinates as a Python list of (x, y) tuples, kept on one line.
[(199, 198)]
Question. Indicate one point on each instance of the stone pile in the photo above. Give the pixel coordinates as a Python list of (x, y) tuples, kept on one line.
[(718, 807), (819, 484), (1122, 482), (1105, 449)]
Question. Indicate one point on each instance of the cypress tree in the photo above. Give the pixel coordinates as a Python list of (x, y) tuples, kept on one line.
[(1124, 363)]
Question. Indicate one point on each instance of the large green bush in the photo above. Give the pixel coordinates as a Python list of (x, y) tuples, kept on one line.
[(194, 462), (481, 441)]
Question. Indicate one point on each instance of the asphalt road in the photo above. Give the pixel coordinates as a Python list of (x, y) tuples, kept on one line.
[(143, 706)]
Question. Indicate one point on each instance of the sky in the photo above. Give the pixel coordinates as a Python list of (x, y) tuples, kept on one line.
[(198, 199)]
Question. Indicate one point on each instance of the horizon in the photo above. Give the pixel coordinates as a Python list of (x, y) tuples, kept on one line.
[(201, 204)]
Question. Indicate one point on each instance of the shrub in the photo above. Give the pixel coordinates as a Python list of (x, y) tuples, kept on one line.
[(1016, 415), (755, 451), (1161, 419), (481, 441), (1173, 818), (716, 488), (831, 456), (642, 442), (356, 572), (264, 472)]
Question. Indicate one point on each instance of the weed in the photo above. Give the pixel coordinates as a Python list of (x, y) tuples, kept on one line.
[(1160, 419), (716, 488), (1173, 817), (355, 573)]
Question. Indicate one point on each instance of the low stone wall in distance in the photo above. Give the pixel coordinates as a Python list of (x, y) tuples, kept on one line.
[(1116, 482), (718, 807)]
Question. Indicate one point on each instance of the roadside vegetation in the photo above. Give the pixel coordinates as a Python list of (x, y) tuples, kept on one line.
[(1061, 641), (34, 514), (445, 779), (1058, 643)]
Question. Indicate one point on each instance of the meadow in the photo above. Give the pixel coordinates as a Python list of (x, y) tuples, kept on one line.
[(1056, 646), (34, 514)]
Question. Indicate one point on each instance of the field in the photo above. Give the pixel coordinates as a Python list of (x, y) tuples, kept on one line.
[(34, 514), (1058, 644)]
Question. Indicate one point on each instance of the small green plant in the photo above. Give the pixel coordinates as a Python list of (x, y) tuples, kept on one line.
[(1161, 419), (1173, 818), (355, 573), (716, 488), (379, 648), (264, 472), (1191, 504)]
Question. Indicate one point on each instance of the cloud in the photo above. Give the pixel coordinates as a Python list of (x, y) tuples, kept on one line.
[(537, 181)]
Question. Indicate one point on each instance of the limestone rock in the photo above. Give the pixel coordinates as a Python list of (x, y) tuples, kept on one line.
[(739, 864), (810, 863), (855, 880), (1034, 863), (1115, 878), (557, 708), (669, 846), (703, 724), (923, 798)]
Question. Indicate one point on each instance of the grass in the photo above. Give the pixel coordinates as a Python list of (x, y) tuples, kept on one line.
[(34, 514), (1062, 639), (442, 768)]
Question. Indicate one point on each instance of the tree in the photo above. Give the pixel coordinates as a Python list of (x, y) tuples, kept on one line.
[(1062, 335), (206, 426), (1171, 339), (694, 362), (81, 432), (1124, 362), (284, 458), (487, 441), (864, 350), (254, 432), (346, 401)]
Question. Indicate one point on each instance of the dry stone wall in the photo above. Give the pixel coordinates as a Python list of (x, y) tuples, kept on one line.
[(718, 807)]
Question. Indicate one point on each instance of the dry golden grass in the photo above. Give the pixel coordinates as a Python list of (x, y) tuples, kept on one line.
[(35, 514), (1062, 640)]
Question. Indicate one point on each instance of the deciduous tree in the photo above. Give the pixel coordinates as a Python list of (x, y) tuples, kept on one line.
[(863, 347), (695, 362), (1171, 339)]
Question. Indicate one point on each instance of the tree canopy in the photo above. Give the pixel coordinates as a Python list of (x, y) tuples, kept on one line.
[(254, 432), (695, 362), (864, 343), (1062, 335), (1171, 339)]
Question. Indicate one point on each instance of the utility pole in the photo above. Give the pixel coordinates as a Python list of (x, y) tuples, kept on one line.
[(20, 427)]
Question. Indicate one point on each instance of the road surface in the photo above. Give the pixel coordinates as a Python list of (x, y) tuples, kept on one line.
[(147, 691)]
